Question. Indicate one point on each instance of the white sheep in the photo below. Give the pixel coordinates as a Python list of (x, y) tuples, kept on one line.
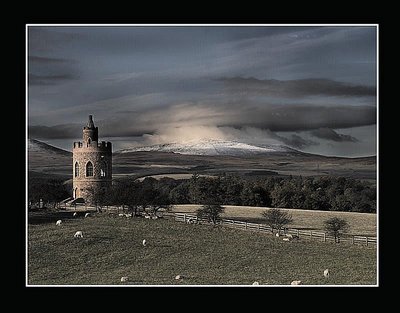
[(87, 214), (58, 223), (256, 283), (75, 214), (121, 214), (147, 216), (144, 242), (124, 279), (128, 215), (290, 236), (286, 239), (154, 217), (78, 234), (277, 234), (326, 273), (296, 282), (177, 277)]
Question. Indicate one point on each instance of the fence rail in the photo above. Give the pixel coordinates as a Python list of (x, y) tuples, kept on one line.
[(300, 233)]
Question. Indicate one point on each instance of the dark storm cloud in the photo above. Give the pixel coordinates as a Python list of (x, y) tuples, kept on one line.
[(49, 39), (69, 131), (293, 140), (43, 60), (304, 117), (176, 81), (296, 88), (297, 141), (51, 71), (49, 79), (330, 134), (54, 132), (274, 118)]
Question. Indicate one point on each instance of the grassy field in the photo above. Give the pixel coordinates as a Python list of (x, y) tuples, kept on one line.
[(361, 224), (112, 248)]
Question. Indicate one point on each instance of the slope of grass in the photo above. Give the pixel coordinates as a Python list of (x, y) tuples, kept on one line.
[(112, 248), (361, 224)]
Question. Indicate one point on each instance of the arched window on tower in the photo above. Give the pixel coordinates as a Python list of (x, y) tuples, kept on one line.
[(76, 169), (89, 169), (88, 142), (103, 169)]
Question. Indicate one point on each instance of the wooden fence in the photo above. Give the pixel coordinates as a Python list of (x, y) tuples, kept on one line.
[(306, 234)]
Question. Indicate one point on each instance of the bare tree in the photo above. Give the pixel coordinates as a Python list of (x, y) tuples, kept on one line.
[(277, 218), (336, 227), (210, 211)]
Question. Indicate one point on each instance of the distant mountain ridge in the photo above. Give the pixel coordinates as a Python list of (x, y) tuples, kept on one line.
[(39, 146), (213, 147), (212, 157)]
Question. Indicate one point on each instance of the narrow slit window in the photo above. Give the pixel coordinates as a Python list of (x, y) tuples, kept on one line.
[(76, 169)]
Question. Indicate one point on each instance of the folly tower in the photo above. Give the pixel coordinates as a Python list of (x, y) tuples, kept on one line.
[(92, 165)]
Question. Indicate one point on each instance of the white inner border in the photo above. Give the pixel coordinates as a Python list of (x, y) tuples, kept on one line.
[(195, 25)]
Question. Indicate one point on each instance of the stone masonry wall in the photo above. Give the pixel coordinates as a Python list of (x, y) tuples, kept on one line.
[(87, 187)]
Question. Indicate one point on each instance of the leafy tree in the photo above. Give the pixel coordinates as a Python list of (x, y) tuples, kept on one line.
[(336, 227), (157, 201), (49, 190), (126, 193), (277, 218), (210, 211), (180, 194)]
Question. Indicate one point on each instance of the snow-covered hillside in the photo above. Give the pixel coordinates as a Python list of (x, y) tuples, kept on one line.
[(212, 147)]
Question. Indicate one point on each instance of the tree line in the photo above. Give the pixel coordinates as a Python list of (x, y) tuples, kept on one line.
[(328, 193)]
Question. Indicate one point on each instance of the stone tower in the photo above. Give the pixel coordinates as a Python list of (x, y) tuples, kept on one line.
[(92, 165)]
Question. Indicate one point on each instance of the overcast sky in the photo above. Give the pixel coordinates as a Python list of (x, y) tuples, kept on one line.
[(311, 88)]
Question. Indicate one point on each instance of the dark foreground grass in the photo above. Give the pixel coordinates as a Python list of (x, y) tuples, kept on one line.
[(112, 248)]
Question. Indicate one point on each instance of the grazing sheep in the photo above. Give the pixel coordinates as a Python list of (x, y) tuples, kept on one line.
[(121, 214), (78, 234), (256, 283), (128, 215), (124, 279), (326, 273), (286, 239), (154, 217), (147, 216), (189, 221), (75, 214), (87, 214), (177, 277), (58, 223), (277, 235), (290, 236), (296, 282), (144, 243)]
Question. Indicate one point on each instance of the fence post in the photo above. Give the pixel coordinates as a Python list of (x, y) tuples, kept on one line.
[(258, 227), (366, 241), (324, 237), (310, 234), (297, 233), (184, 217), (245, 225), (352, 240)]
